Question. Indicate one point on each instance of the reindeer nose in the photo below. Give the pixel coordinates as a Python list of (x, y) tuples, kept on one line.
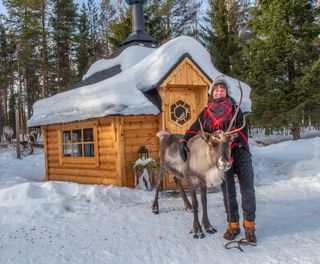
[(224, 165), (227, 166)]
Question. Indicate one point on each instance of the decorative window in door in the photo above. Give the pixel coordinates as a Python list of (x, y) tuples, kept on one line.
[(180, 112)]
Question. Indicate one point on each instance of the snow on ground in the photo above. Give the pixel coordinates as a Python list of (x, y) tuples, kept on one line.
[(259, 136), (57, 222)]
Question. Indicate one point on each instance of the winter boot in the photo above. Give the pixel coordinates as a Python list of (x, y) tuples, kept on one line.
[(232, 231), (249, 227)]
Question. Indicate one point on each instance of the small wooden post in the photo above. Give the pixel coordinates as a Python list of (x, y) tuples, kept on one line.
[(18, 134)]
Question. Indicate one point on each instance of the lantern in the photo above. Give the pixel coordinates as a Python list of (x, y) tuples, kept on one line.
[(143, 153)]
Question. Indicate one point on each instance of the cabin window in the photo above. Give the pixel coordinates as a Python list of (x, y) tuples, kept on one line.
[(78, 143), (180, 112)]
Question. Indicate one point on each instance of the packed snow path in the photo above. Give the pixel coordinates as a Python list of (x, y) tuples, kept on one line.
[(56, 222)]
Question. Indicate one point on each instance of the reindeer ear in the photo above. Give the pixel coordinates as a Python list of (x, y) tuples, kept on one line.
[(205, 136), (215, 140), (219, 135)]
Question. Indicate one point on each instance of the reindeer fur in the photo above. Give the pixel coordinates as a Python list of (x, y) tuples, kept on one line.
[(204, 167)]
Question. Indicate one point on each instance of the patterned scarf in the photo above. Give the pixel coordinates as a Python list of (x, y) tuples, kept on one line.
[(218, 114)]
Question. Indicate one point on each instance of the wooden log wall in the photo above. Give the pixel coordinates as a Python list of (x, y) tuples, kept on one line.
[(103, 172)]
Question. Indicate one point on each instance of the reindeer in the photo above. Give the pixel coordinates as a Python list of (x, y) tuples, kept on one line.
[(208, 159), (8, 133)]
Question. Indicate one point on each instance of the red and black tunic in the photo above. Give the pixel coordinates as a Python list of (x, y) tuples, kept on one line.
[(216, 116)]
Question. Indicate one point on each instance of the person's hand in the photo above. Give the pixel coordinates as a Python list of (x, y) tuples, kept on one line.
[(183, 150)]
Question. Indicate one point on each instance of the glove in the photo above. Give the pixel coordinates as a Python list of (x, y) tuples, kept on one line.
[(183, 150)]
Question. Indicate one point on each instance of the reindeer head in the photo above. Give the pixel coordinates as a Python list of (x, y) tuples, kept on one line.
[(219, 144)]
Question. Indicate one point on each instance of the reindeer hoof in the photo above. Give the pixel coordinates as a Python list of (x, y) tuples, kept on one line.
[(187, 209), (155, 210), (197, 236), (210, 230)]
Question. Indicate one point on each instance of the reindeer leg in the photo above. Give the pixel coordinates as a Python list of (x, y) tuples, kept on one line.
[(205, 220), (196, 230), (187, 204), (155, 204)]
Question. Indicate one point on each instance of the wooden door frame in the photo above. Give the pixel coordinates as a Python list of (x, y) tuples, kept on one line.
[(201, 97)]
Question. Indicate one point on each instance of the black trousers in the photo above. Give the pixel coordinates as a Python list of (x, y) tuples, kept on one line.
[(242, 166)]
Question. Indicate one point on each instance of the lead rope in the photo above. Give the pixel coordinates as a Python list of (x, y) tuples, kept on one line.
[(235, 243), (239, 243)]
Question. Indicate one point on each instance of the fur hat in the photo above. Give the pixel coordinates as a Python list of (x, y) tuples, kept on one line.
[(220, 79)]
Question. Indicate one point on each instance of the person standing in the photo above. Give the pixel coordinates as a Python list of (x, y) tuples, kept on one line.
[(217, 116)]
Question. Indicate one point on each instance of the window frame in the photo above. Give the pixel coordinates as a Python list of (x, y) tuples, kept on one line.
[(77, 160)]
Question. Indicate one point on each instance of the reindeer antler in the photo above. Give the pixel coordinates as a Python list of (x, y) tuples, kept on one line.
[(201, 127), (237, 129), (228, 132)]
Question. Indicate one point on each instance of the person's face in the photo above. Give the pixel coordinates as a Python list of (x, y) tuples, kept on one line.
[(219, 91)]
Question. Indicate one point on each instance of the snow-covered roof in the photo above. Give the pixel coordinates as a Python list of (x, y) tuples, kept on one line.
[(142, 69)]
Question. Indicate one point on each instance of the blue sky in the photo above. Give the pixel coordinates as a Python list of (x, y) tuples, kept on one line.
[(2, 9), (203, 9), (1, 6)]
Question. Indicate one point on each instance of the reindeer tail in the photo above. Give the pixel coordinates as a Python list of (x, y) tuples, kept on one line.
[(161, 134)]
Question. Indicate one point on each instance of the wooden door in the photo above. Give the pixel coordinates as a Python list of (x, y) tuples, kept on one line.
[(181, 109)]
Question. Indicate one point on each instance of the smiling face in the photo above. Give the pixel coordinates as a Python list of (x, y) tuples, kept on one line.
[(219, 91)]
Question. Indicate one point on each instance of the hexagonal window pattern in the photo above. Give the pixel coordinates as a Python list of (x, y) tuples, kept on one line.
[(180, 112)]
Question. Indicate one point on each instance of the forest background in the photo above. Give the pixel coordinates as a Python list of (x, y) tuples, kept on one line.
[(46, 46)]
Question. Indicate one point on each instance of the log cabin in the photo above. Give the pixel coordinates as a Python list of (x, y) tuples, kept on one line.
[(95, 130)]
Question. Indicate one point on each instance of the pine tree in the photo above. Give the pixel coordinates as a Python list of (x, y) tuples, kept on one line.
[(225, 35), (44, 49), (24, 22), (281, 52), (310, 80), (94, 49), (8, 72), (239, 34), (310, 83), (3, 74), (181, 17), (63, 25), (83, 43), (10, 95), (164, 20), (155, 21), (107, 14), (216, 35), (120, 29)]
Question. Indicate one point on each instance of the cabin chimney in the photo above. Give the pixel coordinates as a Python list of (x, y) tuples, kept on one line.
[(138, 35), (137, 14)]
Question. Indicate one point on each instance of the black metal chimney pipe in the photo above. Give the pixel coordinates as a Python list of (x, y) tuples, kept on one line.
[(137, 15), (138, 35)]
